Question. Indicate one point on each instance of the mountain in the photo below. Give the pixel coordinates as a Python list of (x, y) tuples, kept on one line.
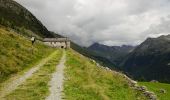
[(114, 53), (15, 16), (24, 67), (93, 55), (150, 60)]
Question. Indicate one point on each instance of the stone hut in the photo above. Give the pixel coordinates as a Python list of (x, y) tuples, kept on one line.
[(57, 42)]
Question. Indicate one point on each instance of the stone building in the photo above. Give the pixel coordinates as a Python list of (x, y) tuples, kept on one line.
[(57, 42)]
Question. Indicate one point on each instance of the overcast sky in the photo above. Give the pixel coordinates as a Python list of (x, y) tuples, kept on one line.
[(110, 22)]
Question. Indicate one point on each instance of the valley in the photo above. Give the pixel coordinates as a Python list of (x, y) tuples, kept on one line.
[(76, 65), (36, 71)]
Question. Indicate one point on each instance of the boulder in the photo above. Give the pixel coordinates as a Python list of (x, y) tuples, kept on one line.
[(141, 88), (107, 68), (94, 61), (154, 81), (133, 83), (150, 95), (97, 65), (162, 91), (153, 97)]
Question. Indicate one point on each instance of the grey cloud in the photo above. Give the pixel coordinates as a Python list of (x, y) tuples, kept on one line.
[(111, 22), (163, 28)]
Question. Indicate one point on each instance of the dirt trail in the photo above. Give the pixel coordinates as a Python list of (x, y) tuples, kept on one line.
[(56, 83), (12, 84)]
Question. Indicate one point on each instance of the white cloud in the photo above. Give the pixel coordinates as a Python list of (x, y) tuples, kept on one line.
[(111, 22)]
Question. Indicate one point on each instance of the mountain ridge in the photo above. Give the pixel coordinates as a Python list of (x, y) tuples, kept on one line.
[(15, 16), (114, 53), (150, 60)]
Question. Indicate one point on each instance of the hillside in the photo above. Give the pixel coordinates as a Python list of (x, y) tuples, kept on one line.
[(83, 81), (39, 72), (93, 55), (15, 16), (114, 53), (150, 60), (17, 58), (17, 53), (86, 81)]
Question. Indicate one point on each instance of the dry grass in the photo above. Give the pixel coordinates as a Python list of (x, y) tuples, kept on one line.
[(17, 53)]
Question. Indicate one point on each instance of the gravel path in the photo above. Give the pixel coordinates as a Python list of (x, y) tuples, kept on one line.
[(56, 83), (14, 82)]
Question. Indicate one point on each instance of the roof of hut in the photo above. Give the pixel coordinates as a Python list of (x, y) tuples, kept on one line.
[(55, 39)]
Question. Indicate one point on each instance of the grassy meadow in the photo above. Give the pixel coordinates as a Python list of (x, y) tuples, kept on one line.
[(85, 81), (17, 53), (155, 87)]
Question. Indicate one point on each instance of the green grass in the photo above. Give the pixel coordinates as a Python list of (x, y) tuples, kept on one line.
[(84, 81), (36, 87), (17, 53), (155, 87)]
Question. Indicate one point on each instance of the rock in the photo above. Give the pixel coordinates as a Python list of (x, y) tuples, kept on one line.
[(150, 95), (133, 83), (107, 68), (93, 61), (97, 65), (153, 97), (146, 93), (124, 76), (154, 81), (162, 91), (141, 88)]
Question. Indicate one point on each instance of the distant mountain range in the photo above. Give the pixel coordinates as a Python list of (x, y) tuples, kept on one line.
[(150, 60), (115, 54)]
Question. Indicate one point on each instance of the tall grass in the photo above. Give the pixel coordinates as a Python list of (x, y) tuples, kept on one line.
[(85, 81), (17, 53)]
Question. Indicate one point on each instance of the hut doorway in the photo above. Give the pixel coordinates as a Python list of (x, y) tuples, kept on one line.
[(62, 47)]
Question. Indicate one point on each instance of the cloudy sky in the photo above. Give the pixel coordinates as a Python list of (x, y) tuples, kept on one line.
[(110, 22)]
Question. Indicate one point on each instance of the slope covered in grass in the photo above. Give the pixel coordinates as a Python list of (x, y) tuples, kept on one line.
[(85, 81), (15, 16), (17, 53), (156, 87)]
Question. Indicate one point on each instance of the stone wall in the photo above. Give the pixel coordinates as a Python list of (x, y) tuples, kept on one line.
[(57, 44), (133, 84)]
